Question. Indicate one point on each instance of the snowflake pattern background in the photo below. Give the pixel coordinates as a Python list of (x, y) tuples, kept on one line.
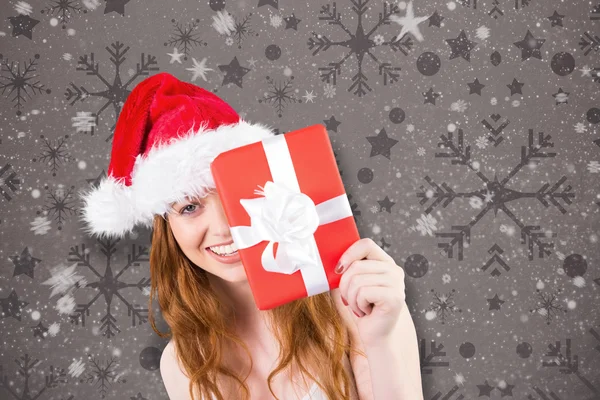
[(469, 148)]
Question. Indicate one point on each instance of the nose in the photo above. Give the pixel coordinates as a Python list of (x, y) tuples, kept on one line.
[(219, 224)]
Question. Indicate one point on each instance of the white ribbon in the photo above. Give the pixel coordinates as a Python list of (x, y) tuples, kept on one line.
[(286, 216)]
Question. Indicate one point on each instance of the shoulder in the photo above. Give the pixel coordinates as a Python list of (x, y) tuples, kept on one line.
[(175, 381)]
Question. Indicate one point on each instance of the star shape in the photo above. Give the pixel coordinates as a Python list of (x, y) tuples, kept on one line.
[(309, 96), (530, 46), (435, 19), (485, 390), (175, 56), (515, 87), (24, 263), (332, 124), (475, 87), (116, 6), (291, 22), (409, 23), (381, 144), (461, 46), (430, 96), (234, 72), (561, 97), (23, 25), (40, 330), (199, 69), (272, 3), (495, 303), (556, 19), (507, 391), (11, 306), (385, 204)]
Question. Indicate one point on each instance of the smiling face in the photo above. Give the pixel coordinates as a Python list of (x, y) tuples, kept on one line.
[(200, 223)]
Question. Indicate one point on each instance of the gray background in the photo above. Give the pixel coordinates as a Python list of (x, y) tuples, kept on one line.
[(508, 309)]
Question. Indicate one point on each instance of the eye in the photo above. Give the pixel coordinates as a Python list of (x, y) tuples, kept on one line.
[(183, 209)]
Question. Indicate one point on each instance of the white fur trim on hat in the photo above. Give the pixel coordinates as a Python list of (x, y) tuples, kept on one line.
[(170, 172)]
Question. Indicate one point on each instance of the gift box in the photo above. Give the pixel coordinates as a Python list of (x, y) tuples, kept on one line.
[(288, 213)]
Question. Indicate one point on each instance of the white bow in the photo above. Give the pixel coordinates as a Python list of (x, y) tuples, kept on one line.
[(283, 216)]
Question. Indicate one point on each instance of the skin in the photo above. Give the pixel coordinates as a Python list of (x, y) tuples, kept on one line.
[(370, 299)]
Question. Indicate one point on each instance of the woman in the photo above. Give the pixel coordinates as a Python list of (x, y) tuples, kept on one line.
[(354, 342)]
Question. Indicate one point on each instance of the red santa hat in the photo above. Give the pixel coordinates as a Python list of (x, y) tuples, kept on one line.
[(166, 137)]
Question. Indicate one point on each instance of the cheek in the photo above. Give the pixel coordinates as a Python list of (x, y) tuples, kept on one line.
[(190, 237)]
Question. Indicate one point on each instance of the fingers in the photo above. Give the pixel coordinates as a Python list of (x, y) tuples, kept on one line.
[(364, 248), (364, 274)]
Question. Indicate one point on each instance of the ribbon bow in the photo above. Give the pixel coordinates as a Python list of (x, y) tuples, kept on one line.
[(283, 216)]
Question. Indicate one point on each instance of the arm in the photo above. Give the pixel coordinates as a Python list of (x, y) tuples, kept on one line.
[(395, 365), (175, 381)]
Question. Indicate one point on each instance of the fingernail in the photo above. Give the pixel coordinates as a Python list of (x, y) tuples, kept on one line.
[(356, 314), (344, 301), (339, 267)]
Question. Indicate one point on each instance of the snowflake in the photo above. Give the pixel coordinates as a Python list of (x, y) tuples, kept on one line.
[(229, 41), (329, 90), (594, 167), (64, 279), (446, 278), (443, 305), (184, 38), (65, 9), (9, 182), (55, 154), (426, 224), (547, 306), (66, 304), (116, 92), (549, 194), (53, 329), (102, 375), (483, 32), (84, 122), (276, 20), (580, 127), (482, 142), (59, 203), (359, 44), (18, 81), (378, 40), (223, 22), (421, 151), (26, 366), (459, 105), (242, 30), (374, 209), (410, 128), (76, 368), (278, 95), (110, 285)]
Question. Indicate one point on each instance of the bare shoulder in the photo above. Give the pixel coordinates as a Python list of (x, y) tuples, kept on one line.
[(175, 381)]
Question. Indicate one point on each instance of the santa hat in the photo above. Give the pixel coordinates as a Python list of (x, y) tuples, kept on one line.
[(165, 139)]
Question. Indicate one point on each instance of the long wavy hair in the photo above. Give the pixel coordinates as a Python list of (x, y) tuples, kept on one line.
[(310, 331)]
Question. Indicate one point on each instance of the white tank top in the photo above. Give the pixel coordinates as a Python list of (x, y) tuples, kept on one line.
[(315, 393)]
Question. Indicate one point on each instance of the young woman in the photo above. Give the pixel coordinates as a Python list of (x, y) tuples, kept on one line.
[(354, 342)]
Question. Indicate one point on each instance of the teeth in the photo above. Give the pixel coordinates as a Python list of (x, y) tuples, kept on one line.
[(224, 250)]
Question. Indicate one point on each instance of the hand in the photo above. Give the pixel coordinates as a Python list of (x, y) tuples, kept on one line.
[(373, 287)]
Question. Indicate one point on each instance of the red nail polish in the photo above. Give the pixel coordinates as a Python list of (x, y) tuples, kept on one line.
[(339, 267), (356, 313), (344, 301)]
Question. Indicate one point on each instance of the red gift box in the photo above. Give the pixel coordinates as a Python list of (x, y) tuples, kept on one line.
[(288, 213)]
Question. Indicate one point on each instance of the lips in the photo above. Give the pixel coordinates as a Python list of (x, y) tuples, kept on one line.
[(225, 259)]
